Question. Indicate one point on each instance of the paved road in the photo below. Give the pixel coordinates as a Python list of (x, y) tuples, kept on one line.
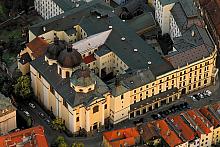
[(52, 134)]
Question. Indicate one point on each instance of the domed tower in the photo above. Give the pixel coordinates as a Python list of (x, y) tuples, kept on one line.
[(53, 51), (68, 59), (82, 80)]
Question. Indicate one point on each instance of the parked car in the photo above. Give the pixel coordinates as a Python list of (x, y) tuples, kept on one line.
[(193, 98), (32, 105), (197, 97), (47, 121), (26, 113), (41, 115), (207, 93), (154, 116), (201, 96)]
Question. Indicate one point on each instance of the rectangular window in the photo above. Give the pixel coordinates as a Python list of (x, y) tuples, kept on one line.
[(105, 106), (65, 104), (52, 90), (95, 109), (122, 96)]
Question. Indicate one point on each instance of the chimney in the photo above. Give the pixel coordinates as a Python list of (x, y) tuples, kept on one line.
[(69, 48), (196, 128), (168, 133), (117, 81), (56, 39)]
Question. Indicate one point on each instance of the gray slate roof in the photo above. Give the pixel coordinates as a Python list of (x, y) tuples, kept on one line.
[(123, 49), (182, 11), (66, 5), (191, 48), (62, 86)]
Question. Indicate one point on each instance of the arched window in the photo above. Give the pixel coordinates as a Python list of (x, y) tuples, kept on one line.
[(67, 74)]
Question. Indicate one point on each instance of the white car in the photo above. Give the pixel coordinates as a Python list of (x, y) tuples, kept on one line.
[(26, 113), (32, 105), (207, 92), (200, 95), (193, 98)]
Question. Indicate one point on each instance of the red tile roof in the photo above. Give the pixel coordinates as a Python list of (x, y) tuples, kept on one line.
[(31, 137), (121, 136), (185, 130), (168, 135), (89, 59), (199, 122), (204, 111), (38, 46)]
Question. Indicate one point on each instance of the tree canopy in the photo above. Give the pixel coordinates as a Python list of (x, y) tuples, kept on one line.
[(58, 124), (23, 87)]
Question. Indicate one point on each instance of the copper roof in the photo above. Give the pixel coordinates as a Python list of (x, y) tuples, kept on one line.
[(38, 46)]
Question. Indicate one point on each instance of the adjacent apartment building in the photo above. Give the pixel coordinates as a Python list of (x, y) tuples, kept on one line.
[(7, 115), (50, 8), (69, 79), (32, 137)]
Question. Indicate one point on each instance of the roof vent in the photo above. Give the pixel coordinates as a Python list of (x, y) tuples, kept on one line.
[(123, 20), (131, 82), (110, 27), (98, 17), (123, 38), (149, 63), (44, 29), (193, 33), (113, 11), (135, 50), (63, 16), (77, 5)]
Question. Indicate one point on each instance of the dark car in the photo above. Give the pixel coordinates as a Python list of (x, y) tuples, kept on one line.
[(197, 97), (141, 120), (41, 115), (162, 114), (154, 116)]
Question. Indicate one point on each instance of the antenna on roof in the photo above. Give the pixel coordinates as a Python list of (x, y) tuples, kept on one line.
[(44, 28), (149, 63), (123, 38), (135, 50)]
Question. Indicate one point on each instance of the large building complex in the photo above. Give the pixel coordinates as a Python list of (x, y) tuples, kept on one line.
[(89, 44), (7, 115)]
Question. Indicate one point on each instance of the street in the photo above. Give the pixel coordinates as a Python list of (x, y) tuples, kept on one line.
[(52, 134)]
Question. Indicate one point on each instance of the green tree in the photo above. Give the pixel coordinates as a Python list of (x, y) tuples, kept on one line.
[(58, 124), (77, 144), (60, 141), (23, 87)]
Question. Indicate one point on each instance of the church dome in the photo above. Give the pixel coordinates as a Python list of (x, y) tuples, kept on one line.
[(54, 49), (69, 58)]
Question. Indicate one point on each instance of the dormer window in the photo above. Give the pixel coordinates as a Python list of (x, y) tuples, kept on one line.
[(67, 74), (60, 71)]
